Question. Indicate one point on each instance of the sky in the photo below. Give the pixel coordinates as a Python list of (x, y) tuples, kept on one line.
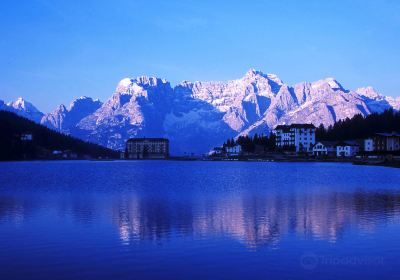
[(52, 52)]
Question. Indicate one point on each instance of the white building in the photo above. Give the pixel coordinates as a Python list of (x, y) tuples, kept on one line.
[(347, 149), (369, 145), (324, 148), (217, 151), (234, 150), (299, 137)]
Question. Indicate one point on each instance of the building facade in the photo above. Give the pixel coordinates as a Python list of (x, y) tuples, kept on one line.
[(324, 148), (387, 142), (234, 150), (147, 148), (347, 149), (297, 137), (369, 145)]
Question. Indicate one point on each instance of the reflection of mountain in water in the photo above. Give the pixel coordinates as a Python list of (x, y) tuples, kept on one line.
[(256, 221), (253, 220)]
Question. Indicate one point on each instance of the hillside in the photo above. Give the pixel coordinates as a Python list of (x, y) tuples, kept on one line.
[(44, 141)]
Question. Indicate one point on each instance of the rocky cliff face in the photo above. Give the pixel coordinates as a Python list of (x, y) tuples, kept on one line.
[(150, 107), (320, 102), (66, 119), (198, 115)]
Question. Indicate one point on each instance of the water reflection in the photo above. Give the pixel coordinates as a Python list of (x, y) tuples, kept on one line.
[(256, 221), (251, 219)]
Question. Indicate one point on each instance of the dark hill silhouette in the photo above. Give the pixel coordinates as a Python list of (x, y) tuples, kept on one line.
[(44, 142)]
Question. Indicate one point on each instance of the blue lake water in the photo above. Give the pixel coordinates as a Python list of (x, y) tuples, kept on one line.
[(198, 220)]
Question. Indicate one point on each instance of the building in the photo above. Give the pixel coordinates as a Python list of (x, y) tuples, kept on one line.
[(299, 137), (324, 148), (147, 148), (347, 149), (234, 150), (369, 145), (26, 137), (69, 154), (387, 142), (217, 152)]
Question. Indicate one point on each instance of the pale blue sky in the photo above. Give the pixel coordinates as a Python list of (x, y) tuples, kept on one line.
[(54, 51)]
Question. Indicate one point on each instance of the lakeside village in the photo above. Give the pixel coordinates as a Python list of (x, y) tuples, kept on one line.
[(362, 140), (298, 142), (295, 142)]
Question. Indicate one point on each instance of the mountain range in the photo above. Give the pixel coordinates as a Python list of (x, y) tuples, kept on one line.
[(196, 116)]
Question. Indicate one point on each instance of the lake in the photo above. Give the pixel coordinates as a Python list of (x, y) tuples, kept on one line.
[(198, 220)]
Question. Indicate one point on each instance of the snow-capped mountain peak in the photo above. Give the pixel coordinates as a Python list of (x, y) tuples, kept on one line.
[(18, 103), (84, 101), (253, 74), (327, 82), (123, 85), (369, 92), (150, 81), (25, 109), (21, 104), (139, 85), (376, 101)]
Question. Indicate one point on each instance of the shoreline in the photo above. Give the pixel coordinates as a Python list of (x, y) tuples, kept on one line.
[(392, 164)]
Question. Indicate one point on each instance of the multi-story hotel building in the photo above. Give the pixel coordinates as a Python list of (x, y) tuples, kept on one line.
[(299, 137), (147, 148)]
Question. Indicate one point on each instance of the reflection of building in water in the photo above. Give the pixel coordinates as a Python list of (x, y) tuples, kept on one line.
[(256, 221), (264, 221), (249, 220), (145, 219), (12, 210), (128, 216)]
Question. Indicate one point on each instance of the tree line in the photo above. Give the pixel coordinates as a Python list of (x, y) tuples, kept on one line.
[(43, 143), (250, 144), (359, 127)]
